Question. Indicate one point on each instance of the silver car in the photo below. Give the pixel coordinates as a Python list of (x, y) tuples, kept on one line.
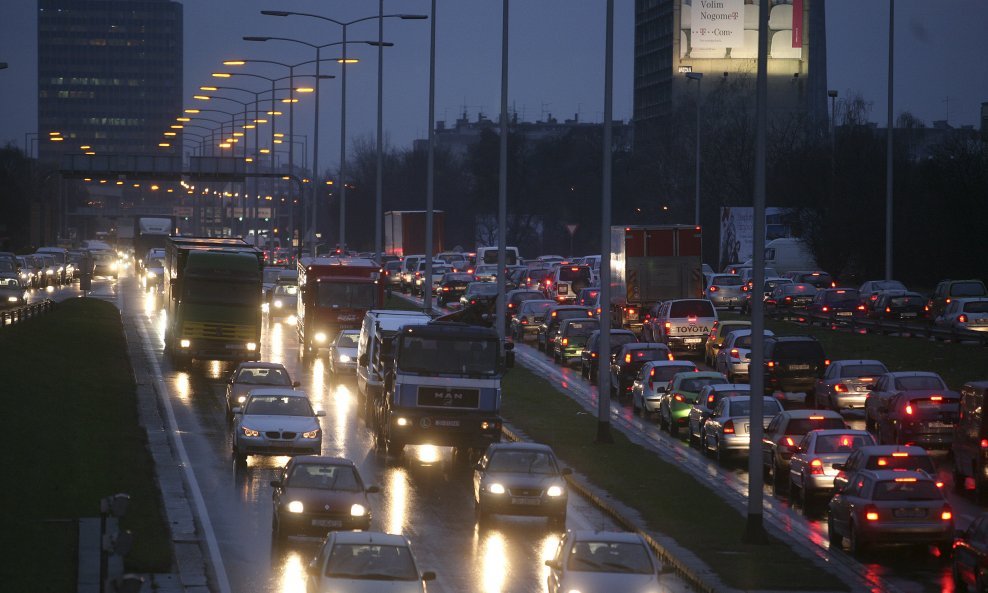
[(726, 431), (251, 375), (966, 313), (616, 561), (811, 469), (343, 352), (276, 421), (846, 383), (651, 383), (735, 355), (724, 290), (706, 402)]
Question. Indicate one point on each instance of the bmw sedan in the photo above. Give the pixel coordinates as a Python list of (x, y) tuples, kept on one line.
[(276, 421)]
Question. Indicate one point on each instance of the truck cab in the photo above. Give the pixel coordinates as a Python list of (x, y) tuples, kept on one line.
[(374, 348), (334, 294)]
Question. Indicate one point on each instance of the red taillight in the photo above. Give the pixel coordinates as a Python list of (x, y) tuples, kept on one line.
[(729, 427), (631, 311), (511, 305), (473, 301), (840, 388), (593, 355), (947, 301), (670, 356), (826, 362), (714, 288), (445, 289), (909, 409), (679, 397), (735, 354), (962, 318), (871, 513), (825, 308), (651, 373), (984, 443), (887, 309), (788, 299), (524, 321), (936, 398), (770, 364), (946, 514), (882, 462), (710, 399), (565, 341), (788, 442), (816, 467), (668, 325)]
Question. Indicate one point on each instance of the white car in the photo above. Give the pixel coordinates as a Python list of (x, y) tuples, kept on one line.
[(365, 561), (733, 358), (614, 561), (965, 313), (276, 421)]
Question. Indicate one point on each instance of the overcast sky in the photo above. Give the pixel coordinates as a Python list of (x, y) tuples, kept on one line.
[(556, 57)]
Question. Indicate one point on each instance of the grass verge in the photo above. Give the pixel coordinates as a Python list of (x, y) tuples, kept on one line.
[(73, 437), (956, 363), (670, 500)]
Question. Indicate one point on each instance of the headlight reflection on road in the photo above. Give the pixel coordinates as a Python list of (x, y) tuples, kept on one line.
[(276, 338), (150, 303), (494, 562), (183, 387), (291, 573), (396, 495), (342, 400)]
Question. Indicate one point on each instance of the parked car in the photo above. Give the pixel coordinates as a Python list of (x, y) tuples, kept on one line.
[(591, 352), (970, 556), (887, 506), (948, 290), (251, 375), (811, 468), (727, 430), (894, 457), (276, 421), (898, 305), (680, 395), (919, 418), (615, 561), (706, 402), (790, 300), (733, 358), (724, 290), (651, 383), (889, 384), (793, 364), (965, 314), (451, 287), (627, 360), (717, 336), (835, 305), (315, 494), (782, 438), (846, 384), (521, 479), (343, 353), (366, 561), (970, 440), (555, 315), (529, 317), (573, 334)]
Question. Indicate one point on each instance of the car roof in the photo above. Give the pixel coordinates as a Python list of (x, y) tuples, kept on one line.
[(672, 363), (805, 414), (783, 339), (946, 393), (279, 391), (729, 387), (898, 374), (519, 446), (830, 431), (257, 364), (891, 474), (629, 537), (370, 537), (701, 374), (855, 361), (644, 346)]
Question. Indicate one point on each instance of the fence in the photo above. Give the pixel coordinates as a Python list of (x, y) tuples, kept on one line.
[(12, 316)]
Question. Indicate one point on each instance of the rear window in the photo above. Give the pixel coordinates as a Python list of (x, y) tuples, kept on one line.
[(665, 373), (582, 328), (692, 309), (862, 370), (538, 275), (798, 351), (698, 383), (798, 289), (976, 307), (484, 288), (934, 404), (574, 274), (907, 301), (644, 355), (571, 313), (901, 461), (622, 339), (907, 489), (728, 280), (817, 279), (770, 407), (801, 426), (967, 289), (527, 296), (771, 284), (843, 297), (842, 443), (922, 382)]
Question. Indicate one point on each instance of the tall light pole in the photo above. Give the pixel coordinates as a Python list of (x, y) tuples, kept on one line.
[(502, 182), (344, 25), (430, 175), (698, 77), (604, 343), (888, 148)]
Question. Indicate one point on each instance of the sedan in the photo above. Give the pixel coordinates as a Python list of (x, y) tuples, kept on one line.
[(12, 292), (520, 479), (451, 287), (846, 383), (651, 383), (480, 294), (835, 305), (734, 356), (899, 305), (706, 403), (889, 506), (365, 561), (594, 561), (343, 352), (251, 375), (276, 421), (811, 469), (726, 431), (789, 300), (529, 317), (314, 495)]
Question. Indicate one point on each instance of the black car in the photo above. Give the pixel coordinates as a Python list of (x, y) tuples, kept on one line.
[(514, 298), (835, 305), (793, 364), (588, 297), (899, 305), (919, 418), (817, 279), (535, 278), (479, 294), (520, 479), (629, 359), (591, 351), (550, 325), (452, 286), (788, 300)]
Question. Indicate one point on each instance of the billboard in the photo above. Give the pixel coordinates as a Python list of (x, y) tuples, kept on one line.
[(728, 30), (737, 238)]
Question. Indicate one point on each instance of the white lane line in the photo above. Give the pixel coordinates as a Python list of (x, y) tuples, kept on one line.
[(162, 388)]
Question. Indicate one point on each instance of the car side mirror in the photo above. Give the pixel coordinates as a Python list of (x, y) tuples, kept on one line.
[(553, 564), (296, 383), (428, 576), (320, 413), (372, 489), (838, 466), (276, 483), (566, 471)]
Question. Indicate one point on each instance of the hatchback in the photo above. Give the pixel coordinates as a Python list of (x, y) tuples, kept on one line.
[(521, 479), (315, 494), (811, 469), (251, 375), (629, 359), (727, 430), (680, 395), (651, 383)]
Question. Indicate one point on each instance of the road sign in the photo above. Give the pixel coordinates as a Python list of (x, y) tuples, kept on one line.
[(182, 211), (572, 229)]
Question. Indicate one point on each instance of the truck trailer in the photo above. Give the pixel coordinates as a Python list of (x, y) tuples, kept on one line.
[(404, 232)]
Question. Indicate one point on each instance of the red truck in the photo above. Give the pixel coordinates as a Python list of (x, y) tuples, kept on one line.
[(404, 232), (650, 264), (334, 294)]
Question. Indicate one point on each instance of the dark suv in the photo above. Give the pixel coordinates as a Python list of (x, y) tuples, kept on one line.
[(954, 289), (793, 363)]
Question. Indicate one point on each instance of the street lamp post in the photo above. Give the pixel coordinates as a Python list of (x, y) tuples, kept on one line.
[(604, 347), (698, 77), (888, 148)]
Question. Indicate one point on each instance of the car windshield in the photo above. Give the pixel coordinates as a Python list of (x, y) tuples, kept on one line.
[(967, 289), (901, 461), (920, 382), (801, 426), (906, 489), (742, 407), (842, 443), (345, 295), (263, 376), (588, 556), (156, 263), (692, 309), (524, 462), (348, 340), (862, 370), (7, 266), (448, 356), (324, 477), (371, 562), (286, 290), (199, 290), (694, 384), (728, 280), (482, 288), (278, 405)]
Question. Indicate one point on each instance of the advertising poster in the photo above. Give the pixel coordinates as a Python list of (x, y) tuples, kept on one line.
[(718, 23), (737, 238), (728, 30)]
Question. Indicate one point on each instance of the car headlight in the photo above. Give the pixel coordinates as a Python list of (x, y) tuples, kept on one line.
[(185, 343), (357, 510), (278, 304), (241, 399), (49, 271), (265, 307), (12, 299), (152, 274), (23, 276), (496, 489), (321, 337), (295, 506), (291, 319), (402, 421), (345, 358), (251, 346), (554, 491), (250, 432), (312, 434), (113, 266)]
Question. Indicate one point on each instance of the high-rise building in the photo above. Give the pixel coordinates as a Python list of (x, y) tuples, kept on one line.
[(719, 39), (109, 76)]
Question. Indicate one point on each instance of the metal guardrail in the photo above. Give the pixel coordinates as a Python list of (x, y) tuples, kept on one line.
[(12, 316), (886, 327)]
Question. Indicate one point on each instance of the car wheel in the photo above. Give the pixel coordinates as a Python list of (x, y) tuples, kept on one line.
[(276, 533), (855, 546), (662, 420), (720, 454), (673, 428), (481, 515), (239, 458), (694, 440), (805, 500), (634, 404), (836, 539)]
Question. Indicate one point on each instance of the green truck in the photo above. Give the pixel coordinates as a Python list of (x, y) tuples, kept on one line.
[(213, 299)]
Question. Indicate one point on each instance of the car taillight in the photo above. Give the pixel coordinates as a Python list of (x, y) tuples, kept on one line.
[(710, 399), (714, 289), (670, 356), (816, 467), (627, 358), (840, 388), (565, 341), (947, 301), (946, 514), (679, 397), (631, 311), (871, 513), (473, 301), (593, 355), (770, 364), (887, 309), (445, 289), (735, 354), (524, 321), (788, 442), (668, 325), (984, 443), (962, 318), (729, 427), (909, 409), (825, 308), (788, 299)]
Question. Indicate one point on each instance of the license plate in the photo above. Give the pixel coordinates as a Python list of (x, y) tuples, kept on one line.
[(525, 501), (799, 367), (692, 340), (447, 422), (940, 425), (745, 427), (908, 314), (327, 523), (235, 346), (843, 313), (909, 513)]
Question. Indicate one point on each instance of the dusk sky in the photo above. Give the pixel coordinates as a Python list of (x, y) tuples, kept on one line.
[(556, 60)]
